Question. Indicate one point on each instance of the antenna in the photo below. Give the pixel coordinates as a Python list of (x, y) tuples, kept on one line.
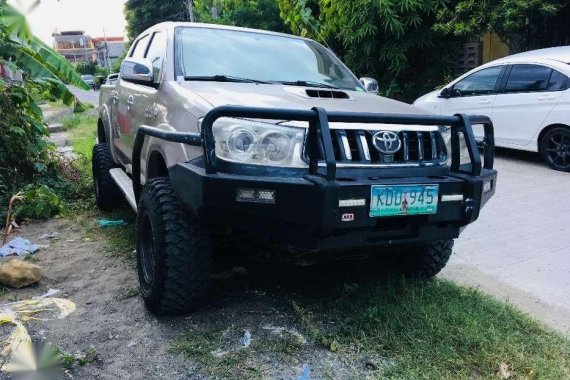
[(318, 33)]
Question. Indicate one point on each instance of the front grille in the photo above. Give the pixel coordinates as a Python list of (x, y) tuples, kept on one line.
[(418, 148)]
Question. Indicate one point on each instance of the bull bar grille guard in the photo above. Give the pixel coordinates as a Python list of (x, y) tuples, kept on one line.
[(318, 119)]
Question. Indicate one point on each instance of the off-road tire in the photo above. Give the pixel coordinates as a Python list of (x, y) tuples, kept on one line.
[(555, 148), (425, 261), (174, 252), (107, 193)]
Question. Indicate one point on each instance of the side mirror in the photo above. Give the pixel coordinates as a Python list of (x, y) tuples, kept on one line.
[(137, 70), (445, 93), (370, 85)]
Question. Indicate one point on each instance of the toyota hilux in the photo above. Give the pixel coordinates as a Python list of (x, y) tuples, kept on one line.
[(214, 132)]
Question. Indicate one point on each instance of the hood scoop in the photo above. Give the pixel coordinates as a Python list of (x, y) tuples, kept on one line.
[(326, 93)]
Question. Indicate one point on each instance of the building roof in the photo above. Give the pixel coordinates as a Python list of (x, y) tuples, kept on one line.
[(108, 39)]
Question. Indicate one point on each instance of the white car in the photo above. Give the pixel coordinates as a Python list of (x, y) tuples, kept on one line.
[(526, 95), (112, 79)]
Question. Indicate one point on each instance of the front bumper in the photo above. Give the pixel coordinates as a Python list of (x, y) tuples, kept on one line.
[(306, 212)]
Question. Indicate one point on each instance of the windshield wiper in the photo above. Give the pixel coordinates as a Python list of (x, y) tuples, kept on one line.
[(224, 78), (306, 83)]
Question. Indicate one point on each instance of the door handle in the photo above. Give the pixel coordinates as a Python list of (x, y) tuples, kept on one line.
[(485, 101), (547, 97), (130, 102)]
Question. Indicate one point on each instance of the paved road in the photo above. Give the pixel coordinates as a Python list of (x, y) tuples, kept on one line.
[(522, 240), (91, 97)]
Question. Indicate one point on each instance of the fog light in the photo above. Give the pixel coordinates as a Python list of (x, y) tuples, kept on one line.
[(487, 186), (351, 202), (452, 198), (255, 196)]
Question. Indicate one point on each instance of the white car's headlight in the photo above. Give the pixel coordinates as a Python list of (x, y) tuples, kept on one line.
[(257, 143), (463, 151)]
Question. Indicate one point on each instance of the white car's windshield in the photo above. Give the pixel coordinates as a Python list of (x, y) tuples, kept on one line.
[(236, 56)]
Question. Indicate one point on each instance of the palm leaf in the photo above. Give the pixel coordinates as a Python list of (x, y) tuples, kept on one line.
[(27, 61)]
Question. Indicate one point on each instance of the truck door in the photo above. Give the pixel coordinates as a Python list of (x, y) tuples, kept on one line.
[(140, 103), (124, 95)]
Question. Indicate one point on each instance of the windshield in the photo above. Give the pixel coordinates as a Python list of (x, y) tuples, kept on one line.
[(87, 77), (205, 52)]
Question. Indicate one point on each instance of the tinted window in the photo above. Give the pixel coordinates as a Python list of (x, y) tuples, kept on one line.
[(259, 56), (528, 78), (557, 81), (479, 83), (140, 47), (156, 53)]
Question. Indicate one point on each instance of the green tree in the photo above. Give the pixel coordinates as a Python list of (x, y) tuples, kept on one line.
[(142, 14), (87, 67), (258, 14), (391, 40), (522, 24)]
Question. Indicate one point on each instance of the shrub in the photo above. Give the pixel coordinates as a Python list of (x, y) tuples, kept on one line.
[(71, 121), (39, 202)]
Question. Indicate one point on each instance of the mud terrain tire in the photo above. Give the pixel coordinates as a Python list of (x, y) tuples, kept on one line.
[(174, 252), (425, 261), (107, 193)]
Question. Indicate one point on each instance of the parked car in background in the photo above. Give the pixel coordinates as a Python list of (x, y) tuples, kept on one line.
[(526, 95), (89, 79), (112, 79)]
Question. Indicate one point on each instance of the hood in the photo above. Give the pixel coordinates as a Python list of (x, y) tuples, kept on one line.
[(293, 97)]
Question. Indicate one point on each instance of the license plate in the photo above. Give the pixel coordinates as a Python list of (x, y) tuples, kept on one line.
[(403, 200)]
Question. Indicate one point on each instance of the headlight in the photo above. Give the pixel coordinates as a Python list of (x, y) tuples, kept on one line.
[(463, 151), (259, 143)]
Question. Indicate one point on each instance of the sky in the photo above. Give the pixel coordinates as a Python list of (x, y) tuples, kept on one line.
[(88, 15)]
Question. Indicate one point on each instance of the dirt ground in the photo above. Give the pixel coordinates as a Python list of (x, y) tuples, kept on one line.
[(111, 320)]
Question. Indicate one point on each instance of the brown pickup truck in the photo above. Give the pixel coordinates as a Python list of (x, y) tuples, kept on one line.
[(216, 132)]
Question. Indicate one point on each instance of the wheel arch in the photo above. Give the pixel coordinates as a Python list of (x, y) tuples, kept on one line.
[(156, 166), (101, 133), (545, 130)]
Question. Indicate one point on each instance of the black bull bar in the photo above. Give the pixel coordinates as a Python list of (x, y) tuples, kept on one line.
[(318, 119)]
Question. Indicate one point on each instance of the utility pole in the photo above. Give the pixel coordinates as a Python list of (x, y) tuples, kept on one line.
[(191, 10)]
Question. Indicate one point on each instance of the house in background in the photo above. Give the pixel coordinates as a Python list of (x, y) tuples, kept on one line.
[(75, 46), (476, 53), (109, 49)]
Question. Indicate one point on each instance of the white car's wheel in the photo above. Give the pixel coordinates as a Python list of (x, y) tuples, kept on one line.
[(555, 148)]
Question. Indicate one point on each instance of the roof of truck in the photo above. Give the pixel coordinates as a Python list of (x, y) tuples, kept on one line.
[(172, 25)]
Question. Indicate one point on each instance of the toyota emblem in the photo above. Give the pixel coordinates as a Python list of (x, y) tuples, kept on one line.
[(387, 142)]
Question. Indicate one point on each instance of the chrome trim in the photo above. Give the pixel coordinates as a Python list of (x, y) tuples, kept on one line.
[(394, 165), (345, 145), (365, 148)]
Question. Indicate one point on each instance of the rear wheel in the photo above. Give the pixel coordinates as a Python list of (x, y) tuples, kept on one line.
[(555, 148), (174, 253), (425, 261), (107, 193)]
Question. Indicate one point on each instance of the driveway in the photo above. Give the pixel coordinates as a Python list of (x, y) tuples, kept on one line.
[(521, 241)]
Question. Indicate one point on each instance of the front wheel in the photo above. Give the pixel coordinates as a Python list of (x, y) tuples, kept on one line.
[(425, 261), (555, 148), (174, 253)]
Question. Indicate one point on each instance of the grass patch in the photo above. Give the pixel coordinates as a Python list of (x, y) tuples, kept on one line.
[(435, 330), (219, 353), (82, 130)]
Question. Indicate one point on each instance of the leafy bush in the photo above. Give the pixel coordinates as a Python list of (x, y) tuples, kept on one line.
[(39, 202), (24, 151), (87, 67)]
